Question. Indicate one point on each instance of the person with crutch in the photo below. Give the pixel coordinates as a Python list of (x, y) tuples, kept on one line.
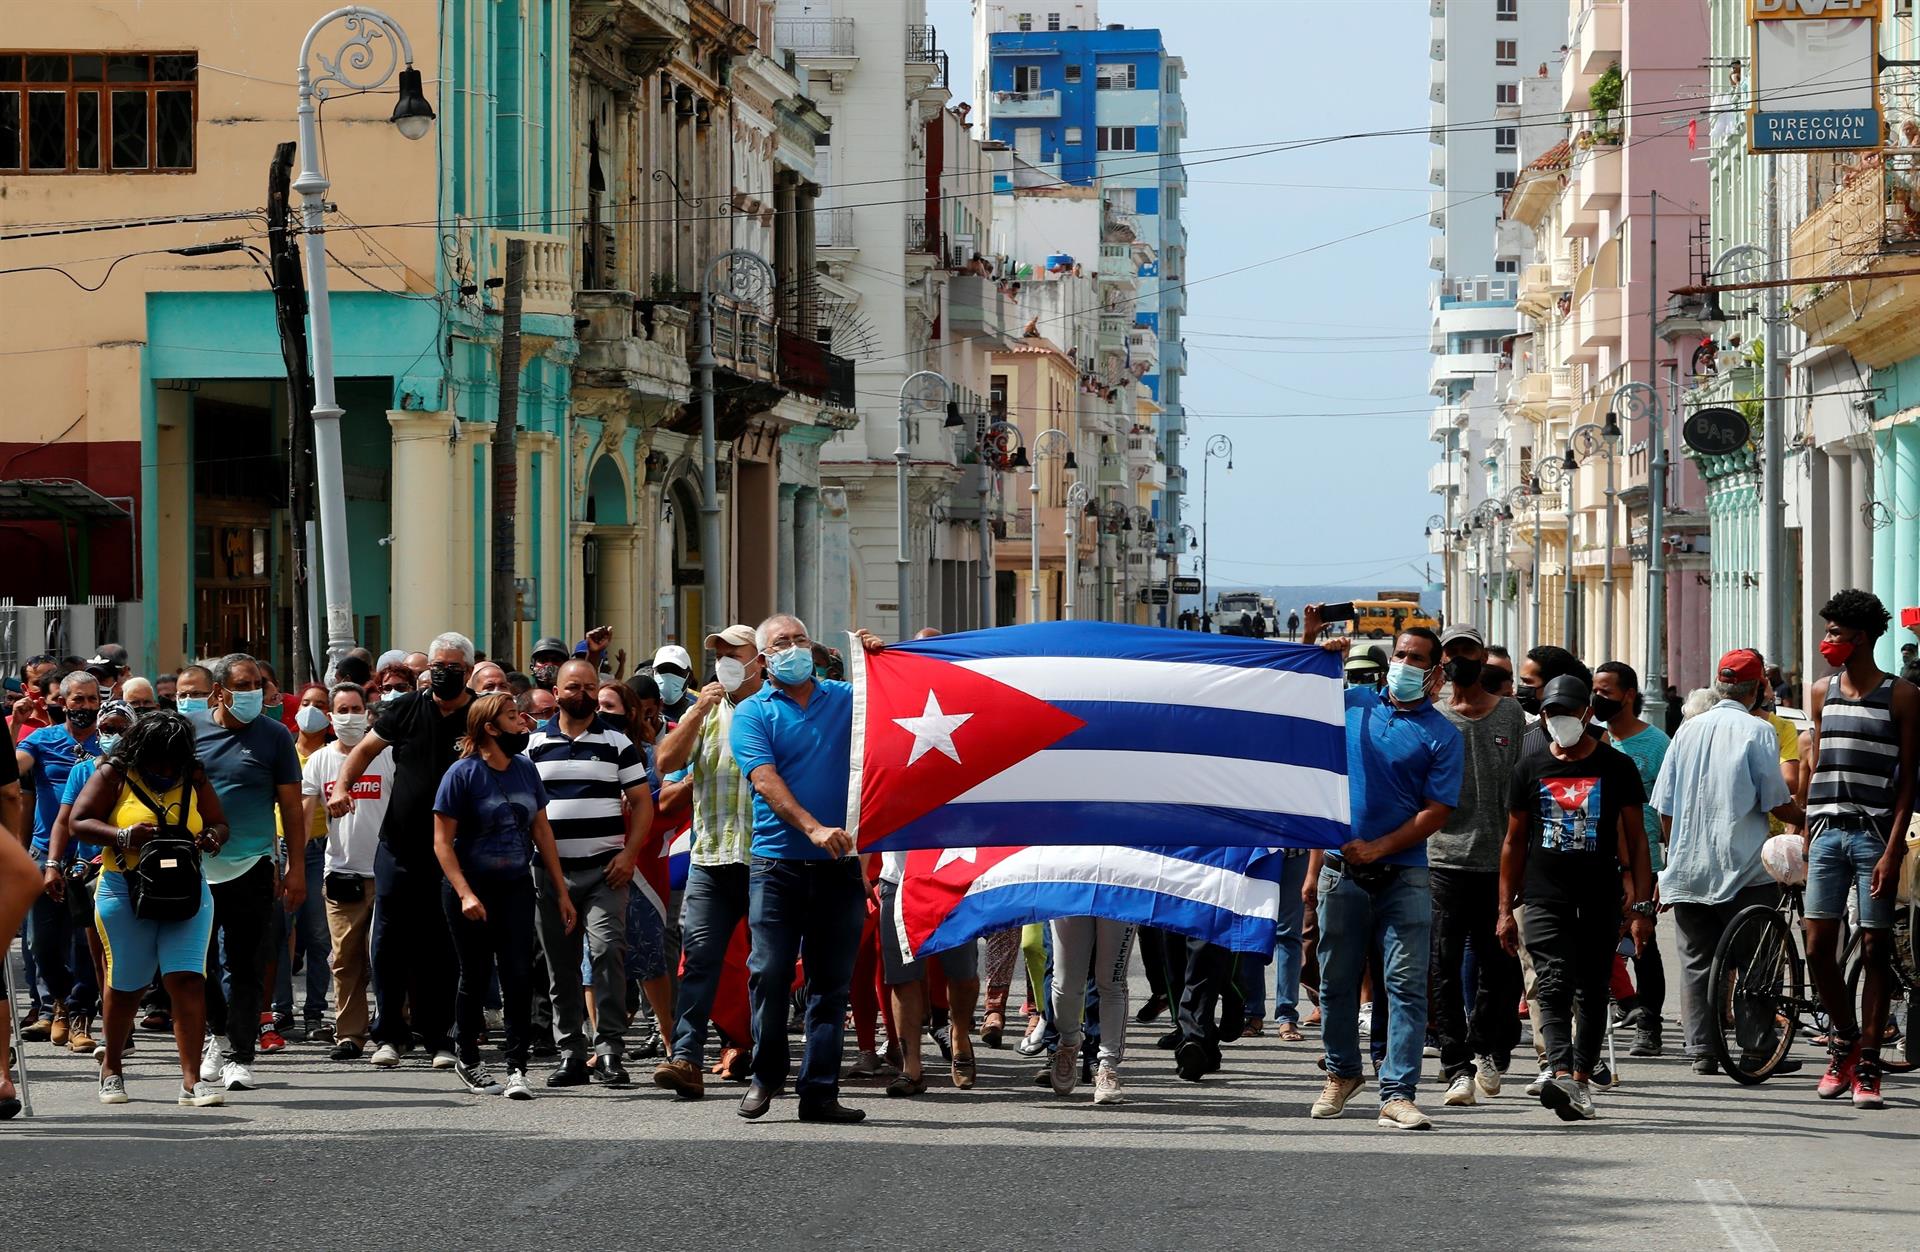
[(19, 886)]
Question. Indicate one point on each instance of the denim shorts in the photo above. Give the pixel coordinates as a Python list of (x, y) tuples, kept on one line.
[(1843, 857), (137, 948)]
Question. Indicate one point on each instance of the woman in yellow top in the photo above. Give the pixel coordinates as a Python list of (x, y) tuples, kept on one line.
[(157, 756)]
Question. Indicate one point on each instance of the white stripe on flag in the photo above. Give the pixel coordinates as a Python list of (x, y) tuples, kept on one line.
[(1139, 868), (1252, 690), (1165, 778)]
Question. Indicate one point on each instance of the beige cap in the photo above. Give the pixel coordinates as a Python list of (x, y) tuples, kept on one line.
[(737, 635)]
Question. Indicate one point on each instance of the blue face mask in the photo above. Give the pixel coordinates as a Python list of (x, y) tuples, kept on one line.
[(190, 704), (108, 743), (792, 666), (672, 687), (1406, 682), (245, 705)]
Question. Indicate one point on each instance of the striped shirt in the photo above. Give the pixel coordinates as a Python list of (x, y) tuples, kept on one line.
[(586, 780), (722, 796), (1859, 756)]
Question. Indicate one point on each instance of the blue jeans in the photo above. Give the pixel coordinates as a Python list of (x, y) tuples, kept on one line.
[(1397, 914), (311, 940), (802, 909), (65, 964), (1842, 856), (716, 900), (1288, 933)]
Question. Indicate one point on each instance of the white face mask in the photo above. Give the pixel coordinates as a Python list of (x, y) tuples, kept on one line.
[(1566, 731), (730, 673), (310, 719), (350, 728)]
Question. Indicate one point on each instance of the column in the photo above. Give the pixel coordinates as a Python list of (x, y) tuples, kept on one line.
[(806, 553), (471, 517), (545, 556), (1862, 550), (785, 591), (576, 621), (1906, 533), (1842, 517), (424, 481), (1828, 564), (615, 570)]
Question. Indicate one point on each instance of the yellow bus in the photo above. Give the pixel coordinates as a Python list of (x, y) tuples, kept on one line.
[(1383, 619)]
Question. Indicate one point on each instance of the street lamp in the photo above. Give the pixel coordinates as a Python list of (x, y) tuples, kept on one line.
[(1585, 442), (997, 450), (1049, 443), (356, 67), (749, 278), (919, 390), (1077, 497), (1774, 601), (1221, 447), (1547, 473), (1635, 401)]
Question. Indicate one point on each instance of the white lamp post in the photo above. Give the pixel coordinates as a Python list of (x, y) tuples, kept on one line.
[(1048, 443), (1076, 505)]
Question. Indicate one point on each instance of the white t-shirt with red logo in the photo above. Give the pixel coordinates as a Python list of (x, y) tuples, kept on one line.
[(353, 838)]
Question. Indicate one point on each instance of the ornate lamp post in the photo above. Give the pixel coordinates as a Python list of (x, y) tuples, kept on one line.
[(1584, 443), (1049, 443), (1221, 447)]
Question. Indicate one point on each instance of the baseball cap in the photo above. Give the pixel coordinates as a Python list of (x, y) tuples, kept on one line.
[(736, 635), (673, 654), (1363, 660), (551, 645), (1565, 692), (1461, 631), (1742, 665)]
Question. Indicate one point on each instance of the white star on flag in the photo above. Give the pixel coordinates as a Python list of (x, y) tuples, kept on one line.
[(932, 730), (949, 855)]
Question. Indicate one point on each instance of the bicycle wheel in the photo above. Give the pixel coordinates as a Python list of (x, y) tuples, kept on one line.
[(1898, 1052), (1756, 980)]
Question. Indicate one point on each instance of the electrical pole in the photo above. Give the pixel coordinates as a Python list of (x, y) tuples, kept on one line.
[(290, 318), (506, 458), (1655, 686), (1773, 572)]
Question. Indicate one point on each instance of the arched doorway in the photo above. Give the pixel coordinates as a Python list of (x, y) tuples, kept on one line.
[(689, 576), (606, 507)]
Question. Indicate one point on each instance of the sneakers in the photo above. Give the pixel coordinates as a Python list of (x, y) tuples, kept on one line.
[(1063, 1075), (236, 1076), (113, 1089), (1570, 1100), (349, 1050), (1193, 1061), (1707, 1065), (1604, 1078), (1403, 1115), (386, 1056), (271, 1040), (1539, 1084), (1866, 1083), (1106, 1086), (866, 1065), (517, 1088), (1487, 1075), (444, 1058), (1461, 1091), (213, 1054), (1646, 1038), (202, 1095), (80, 1034), (1841, 1067), (476, 1079), (1334, 1094)]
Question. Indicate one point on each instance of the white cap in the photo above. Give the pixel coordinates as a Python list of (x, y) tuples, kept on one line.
[(673, 654)]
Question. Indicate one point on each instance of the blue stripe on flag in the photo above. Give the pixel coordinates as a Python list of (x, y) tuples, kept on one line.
[(1133, 643), (1126, 824), (1120, 726), (1019, 904)]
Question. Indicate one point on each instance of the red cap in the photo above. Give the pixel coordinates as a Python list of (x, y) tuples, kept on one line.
[(1742, 665)]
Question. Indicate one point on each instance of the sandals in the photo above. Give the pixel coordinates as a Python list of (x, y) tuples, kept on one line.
[(905, 1086), (992, 1028), (964, 1070), (1288, 1032), (1253, 1029)]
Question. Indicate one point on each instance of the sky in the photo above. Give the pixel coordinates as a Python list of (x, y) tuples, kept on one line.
[(1321, 353)]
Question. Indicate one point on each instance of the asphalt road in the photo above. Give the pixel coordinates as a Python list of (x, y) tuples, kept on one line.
[(330, 1155)]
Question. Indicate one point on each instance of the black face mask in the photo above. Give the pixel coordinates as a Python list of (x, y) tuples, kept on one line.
[(515, 744), (80, 721), (616, 720), (1606, 710), (57, 714), (545, 676), (1529, 698), (446, 681), (1464, 673), (578, 706)]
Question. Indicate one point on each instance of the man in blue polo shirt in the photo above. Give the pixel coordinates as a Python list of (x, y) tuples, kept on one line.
[(1404, 764), (45, 758), (806, 896)]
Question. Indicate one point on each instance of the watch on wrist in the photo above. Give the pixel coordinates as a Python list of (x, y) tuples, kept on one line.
[(121, 838), (1644, 908)]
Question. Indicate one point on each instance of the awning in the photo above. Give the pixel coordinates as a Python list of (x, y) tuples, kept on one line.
[(55, 499)]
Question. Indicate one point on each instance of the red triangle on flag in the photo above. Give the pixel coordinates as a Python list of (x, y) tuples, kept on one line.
[(933, 882), (934, 730), (1570, 793)]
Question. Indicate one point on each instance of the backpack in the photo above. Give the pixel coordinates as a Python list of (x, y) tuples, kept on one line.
[(165, 884)]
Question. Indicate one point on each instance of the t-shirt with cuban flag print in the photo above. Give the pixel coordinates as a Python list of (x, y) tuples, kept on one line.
[(1573, 813)]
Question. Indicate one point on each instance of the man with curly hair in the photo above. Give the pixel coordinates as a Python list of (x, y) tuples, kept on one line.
[(1866, 728)]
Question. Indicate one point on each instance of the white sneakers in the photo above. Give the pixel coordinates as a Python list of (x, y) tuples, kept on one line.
[(235, 1076), (1064, 1071), (517, 1088), (1106, 1086), (202, 1095), (113, 1089), (386, 1056), (1570, 1099), (1486, 1075), (1403, 1115), (213, 1054), (1539, 1084), (1462, 1091), (444, 1059)]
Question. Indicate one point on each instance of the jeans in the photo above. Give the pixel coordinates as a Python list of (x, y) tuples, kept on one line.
[(1076, 940), (311, 937), (413, 960), (813, 910), (60, 952), (1572, 942), (714, 907), (1465, 908), (1288, 933), (1842, 856), (243, 911), (1700, 927), (603, 929), (1398, 914), (503, 942)]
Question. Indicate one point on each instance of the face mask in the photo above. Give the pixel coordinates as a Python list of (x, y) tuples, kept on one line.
[(190, 704), (310, 719), (730, 673), (387, 697), (616, 720), (158, 782), (578, 706), (245, 705), (446, 681), (1464, 673), (80, 721), (792, 666), (546, 676), (350, 728), (108, 743), (514, 744), (1837, 652), (1606, 710), (56, 714), (672, 687), (1529, 698), (1566, 731), (1406, 681)]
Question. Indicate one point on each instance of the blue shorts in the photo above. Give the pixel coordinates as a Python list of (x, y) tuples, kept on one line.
[(1842, 857), (646, 938), (136, 948)]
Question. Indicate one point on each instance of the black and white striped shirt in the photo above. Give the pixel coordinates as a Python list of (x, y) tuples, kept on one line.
[(1859, 756), (585, 780)]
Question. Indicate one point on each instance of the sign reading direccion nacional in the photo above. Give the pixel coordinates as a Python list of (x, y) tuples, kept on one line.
[(1816, 76)]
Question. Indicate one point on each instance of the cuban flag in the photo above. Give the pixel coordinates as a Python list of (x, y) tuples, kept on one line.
[(1040, 771)]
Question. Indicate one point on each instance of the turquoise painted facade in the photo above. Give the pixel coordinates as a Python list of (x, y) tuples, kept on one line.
[(1733, 522)]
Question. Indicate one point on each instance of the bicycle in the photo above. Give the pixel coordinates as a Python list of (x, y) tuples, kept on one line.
[(1760, 997)]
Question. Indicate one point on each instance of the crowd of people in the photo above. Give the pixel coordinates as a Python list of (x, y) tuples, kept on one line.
[(465, 860)]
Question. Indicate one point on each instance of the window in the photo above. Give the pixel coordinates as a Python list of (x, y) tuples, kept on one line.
[(97, 112), (1074, 135), (1053, 21), (1073, 73), (1026, 78), (1023, 21), (1506, 10), (1113, 138), (1505, 138), (1506, 93), (1506, 265), (1114, 77), (1506, 52), (1503, 180)]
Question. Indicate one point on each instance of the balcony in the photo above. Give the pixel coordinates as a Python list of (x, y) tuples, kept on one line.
[(1173, 357), (1143, 350), (1112, 471), (977, 308), (1118, 265), (1437, 167), (1437, 210), (1437, 252), (1026, 104), (547, 286), (807, 367), (921, 235), (1444, 477), (1593, 44), (1459, 367), (1437, 88), (633, 355), (1537, 290), (1596, 186), (1437, 39), (1531, 391), (833, 228), (815, 38), (1437, 124), (1113, 332), (1600, 324), (926, 60), (1868, 224)]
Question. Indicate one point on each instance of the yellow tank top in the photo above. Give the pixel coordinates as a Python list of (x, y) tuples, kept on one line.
[(131, 810)]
